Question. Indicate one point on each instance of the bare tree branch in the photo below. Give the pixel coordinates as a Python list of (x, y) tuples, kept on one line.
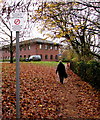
[(4, 32), (4, 23)]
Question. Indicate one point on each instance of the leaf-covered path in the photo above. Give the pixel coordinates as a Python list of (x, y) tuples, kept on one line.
[(42, 95)]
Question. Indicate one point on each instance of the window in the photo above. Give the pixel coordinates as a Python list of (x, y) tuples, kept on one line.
[(46, 47), (56, 57), (20, 56), (51, 47), (46, 56), (29, 56), (51, 57), (24, 47), (40, 46), (29, 47), (8, 57), (20, 48), (56, 47), (24, 56), (41, 56)]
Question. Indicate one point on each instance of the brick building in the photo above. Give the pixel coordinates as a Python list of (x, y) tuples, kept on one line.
[(48, 50)]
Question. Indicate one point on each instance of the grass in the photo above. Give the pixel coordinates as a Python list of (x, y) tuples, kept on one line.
[(47, 63)]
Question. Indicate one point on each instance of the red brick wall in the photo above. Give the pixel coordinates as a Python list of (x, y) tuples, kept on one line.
[(1, 54), (47, 52), (26, 51), (5, 54), (35, 50)]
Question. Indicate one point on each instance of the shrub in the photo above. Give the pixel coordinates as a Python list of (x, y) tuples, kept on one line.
[(5, 60), (22, 59), (89, 72)]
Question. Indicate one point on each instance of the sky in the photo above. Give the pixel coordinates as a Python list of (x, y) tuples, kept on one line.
[(34, 32)]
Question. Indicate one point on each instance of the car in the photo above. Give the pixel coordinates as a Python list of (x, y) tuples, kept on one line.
[(35, 58)]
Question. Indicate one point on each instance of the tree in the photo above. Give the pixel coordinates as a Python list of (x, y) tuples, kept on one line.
[(68, 54), (93, 23), (75, 22), (5, 30)]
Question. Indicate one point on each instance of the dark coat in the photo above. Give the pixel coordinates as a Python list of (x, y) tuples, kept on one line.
[(61, 70)]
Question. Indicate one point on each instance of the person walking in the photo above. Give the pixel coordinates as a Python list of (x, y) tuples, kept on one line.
[(61, 71)]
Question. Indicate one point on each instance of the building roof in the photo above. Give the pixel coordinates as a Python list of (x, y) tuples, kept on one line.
[(38, 40), (34, 40)]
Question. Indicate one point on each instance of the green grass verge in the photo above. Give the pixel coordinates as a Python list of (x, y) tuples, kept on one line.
[(47, 63)]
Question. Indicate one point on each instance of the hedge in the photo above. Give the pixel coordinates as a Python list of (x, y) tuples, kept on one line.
[(89, 72)]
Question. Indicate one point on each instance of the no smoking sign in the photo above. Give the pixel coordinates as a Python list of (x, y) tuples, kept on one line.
[(17, 21)]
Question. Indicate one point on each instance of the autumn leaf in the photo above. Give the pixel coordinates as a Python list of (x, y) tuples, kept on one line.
[(43, 97)]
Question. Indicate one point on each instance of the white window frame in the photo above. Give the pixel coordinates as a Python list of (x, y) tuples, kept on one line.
[(40, 46), (46, 47)]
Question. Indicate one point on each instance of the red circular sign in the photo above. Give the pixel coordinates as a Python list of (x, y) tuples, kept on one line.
[(17, 21)]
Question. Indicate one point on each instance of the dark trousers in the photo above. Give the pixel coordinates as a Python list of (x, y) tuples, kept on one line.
[(61, 79)]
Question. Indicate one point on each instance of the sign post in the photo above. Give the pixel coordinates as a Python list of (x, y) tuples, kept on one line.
[(17, 24), (17, 77)]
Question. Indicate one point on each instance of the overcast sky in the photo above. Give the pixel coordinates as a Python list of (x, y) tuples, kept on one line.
[(34, 32)]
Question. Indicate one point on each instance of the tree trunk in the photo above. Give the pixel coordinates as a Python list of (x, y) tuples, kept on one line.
[(11, 49)]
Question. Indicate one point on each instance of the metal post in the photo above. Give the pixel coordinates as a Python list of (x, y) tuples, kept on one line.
[(17, 78)]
